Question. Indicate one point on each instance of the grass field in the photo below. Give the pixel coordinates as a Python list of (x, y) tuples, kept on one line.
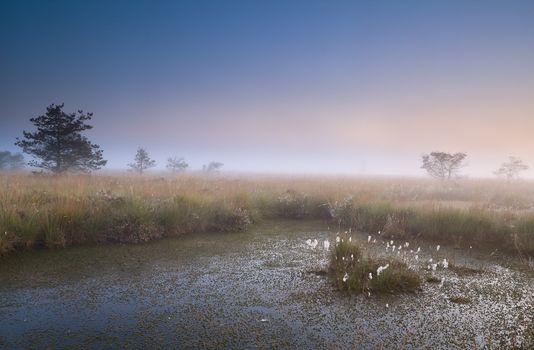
[(58, 211)]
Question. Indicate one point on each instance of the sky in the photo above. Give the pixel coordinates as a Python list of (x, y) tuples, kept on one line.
[(349, 87)]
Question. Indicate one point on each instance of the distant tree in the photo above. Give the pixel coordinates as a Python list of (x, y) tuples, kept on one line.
[(11, 161), (142, 161), (176, 165), (212, 167), (511, 169), (443, 165), (58, 142)]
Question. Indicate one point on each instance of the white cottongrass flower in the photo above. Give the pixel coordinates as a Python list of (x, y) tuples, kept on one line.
[(393, 248), (326, 244), (418, 249), (391, 242), (416, 257), (379, 232), (337, 239), (434, 266), (430, 260), (370, 275), (381, 269), (406, 245), (437, 247), (345, 277), (445, 264), (352, 256), (311, 243), (350, 239), (374, 240), (387, 306), (368, 239)]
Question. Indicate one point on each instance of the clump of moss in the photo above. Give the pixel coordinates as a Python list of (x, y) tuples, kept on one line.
[(354, 273)]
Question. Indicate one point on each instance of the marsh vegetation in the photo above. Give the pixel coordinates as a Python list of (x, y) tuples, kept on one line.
[(58, 211), (384, 246)]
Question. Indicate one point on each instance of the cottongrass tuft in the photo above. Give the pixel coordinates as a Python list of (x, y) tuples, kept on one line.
[(354, 273)]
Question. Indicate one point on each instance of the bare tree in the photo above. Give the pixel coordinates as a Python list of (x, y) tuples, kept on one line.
[(443, 165), (142, 161), (212, 167), (176, 165), (11, 161), (511, 169)]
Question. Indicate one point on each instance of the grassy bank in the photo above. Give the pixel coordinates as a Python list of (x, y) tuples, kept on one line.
[(43, 211), (507, 231)]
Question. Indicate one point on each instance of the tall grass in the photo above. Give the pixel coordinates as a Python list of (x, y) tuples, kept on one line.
[(506, 231), (50, 211)]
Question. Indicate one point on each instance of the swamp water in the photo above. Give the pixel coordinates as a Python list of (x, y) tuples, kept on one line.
[(250, 290)]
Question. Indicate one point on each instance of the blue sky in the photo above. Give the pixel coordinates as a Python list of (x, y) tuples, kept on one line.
[(278, 86)]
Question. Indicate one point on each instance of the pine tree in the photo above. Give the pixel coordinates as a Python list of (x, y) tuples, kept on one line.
[(142, 161), (58, 143), (511, 169), (176, 165)]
